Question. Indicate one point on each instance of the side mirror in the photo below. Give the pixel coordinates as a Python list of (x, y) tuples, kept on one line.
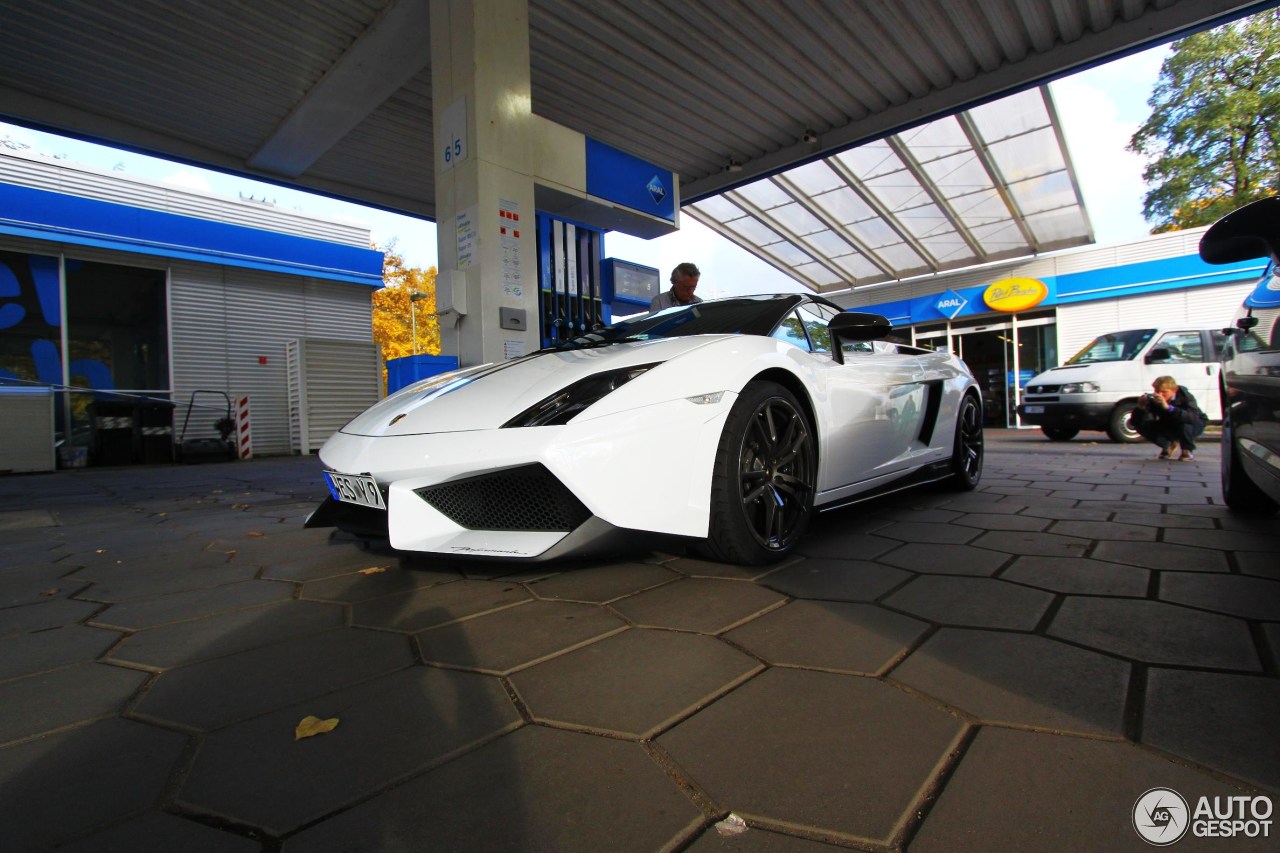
[(1246, 323), (855, 326), (1157, 354)]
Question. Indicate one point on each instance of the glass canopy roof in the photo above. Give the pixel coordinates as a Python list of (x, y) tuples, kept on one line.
[(992, 183)]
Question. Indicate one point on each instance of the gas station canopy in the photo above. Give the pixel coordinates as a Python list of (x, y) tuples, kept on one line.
[(991, 183), (335, 96)]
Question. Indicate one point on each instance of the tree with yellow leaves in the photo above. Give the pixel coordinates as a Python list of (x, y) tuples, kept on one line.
[(406, 300)]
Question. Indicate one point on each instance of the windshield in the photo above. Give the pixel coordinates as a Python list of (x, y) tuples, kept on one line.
[(1117, 346), (747, 315)]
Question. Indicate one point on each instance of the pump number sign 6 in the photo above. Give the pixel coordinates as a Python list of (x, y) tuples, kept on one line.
[(354, 489)]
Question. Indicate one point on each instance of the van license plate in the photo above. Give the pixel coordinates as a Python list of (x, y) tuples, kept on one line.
[(354, 489), (1033, 410)]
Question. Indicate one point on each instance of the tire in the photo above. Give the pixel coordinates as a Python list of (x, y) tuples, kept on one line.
[(1241, 494), (1120, 427), (764, 480), (967, 452), (1059, 433)]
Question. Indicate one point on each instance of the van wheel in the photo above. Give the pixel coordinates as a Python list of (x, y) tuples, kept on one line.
[(1059, 433), (1121, 427)]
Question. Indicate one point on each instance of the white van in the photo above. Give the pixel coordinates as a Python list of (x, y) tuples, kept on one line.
[(1099, 387)]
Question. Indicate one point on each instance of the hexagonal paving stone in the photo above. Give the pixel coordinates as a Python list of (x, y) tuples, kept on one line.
[(52, 613), (159, 567), (1155, 632), (1021, 680), (193, 604), (836, 580), (756, 840), (1235, 595), (373, 582), (30, 653), (162, 832), (1105, 530), (1227, 722), (436, 605), (829, 635), (1035, 792), (549, 790), (226, 633), (33, 585), (603, 583), (697, 568), (705, 605), (325, 560), (272, 676), (946, 559), (1162, 555), (944, 534), (1161, 519), (838, 754), (389, 728), (1001, 521), (1026, 542), (177, 577), (64, 784), (972, 602), (501, 642), (841, 544), (634, 683), (1080, 576), (50, 700), (1226, 540), (1259, 564)]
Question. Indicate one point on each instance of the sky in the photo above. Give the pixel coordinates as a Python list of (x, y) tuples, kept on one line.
[(1100, 109)]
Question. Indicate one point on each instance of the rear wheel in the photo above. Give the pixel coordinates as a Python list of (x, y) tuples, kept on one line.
[(764, 480), (1121, 427), (1059, 433), (1240, 493), (966, 454)]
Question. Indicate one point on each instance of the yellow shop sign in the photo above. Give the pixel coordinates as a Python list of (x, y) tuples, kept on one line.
[(1015, 294)]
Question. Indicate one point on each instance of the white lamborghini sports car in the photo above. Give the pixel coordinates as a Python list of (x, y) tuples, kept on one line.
[(726, 423)]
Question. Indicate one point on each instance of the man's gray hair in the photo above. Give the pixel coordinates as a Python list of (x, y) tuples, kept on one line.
[(683, 270)]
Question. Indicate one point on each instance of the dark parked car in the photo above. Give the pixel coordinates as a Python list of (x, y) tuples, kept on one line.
[(1251, 360)]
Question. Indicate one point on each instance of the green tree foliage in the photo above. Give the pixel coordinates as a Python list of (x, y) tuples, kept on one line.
[(395, 314), (1210, 141)]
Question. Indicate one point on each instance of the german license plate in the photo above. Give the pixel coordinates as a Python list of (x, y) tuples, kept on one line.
[(354, 489), (1033, 410)]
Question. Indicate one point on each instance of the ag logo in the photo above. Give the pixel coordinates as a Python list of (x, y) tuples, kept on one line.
[(1160, 816)]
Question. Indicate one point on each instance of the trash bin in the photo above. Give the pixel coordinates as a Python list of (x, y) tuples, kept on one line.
[(111, 432), (153, 423), (409, 369)]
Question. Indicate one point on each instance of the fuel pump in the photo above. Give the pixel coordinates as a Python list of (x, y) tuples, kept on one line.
[(570, 293)]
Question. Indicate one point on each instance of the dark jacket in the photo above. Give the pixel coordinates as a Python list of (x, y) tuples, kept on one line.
[(1182, 410)]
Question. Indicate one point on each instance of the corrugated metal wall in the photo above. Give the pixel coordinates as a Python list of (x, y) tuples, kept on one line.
[(1199, 308), (230, 328)]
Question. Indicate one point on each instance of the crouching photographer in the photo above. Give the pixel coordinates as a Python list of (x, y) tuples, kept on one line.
[(1170, 418)]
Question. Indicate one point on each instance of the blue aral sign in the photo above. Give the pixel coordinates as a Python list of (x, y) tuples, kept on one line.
[(950, 304)]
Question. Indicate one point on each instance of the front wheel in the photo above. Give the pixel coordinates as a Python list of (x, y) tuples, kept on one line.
[(1121, 427), (967, 452), (765, 477)]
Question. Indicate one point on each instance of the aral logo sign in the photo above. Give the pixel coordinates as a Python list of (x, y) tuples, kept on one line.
[(950, 304), (1015, 294)]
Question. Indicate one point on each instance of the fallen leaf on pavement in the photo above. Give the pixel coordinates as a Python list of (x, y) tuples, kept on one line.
[(311, 726), (373, 570)]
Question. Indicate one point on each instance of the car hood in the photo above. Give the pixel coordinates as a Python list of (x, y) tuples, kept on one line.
[(488, 396)]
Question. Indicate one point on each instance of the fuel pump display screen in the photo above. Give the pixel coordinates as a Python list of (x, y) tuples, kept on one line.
[(634, 282)]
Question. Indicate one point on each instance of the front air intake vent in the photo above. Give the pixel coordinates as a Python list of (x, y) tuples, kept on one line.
[(529, 498)]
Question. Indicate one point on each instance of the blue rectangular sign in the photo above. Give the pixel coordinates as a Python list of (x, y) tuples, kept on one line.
[(619, 177)]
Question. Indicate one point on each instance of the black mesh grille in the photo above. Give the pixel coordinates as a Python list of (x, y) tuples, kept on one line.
[(528, 498), (1043, 389)]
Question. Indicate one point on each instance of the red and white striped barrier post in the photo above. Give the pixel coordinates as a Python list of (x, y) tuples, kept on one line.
[(244, 437)]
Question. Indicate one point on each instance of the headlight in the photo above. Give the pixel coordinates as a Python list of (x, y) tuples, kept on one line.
[(1080, 388), (562, 406)]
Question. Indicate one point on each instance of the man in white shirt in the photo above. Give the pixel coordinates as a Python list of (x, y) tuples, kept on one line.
[(684, 280)]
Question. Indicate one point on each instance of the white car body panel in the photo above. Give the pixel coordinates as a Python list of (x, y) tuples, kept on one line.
[(868, 414)]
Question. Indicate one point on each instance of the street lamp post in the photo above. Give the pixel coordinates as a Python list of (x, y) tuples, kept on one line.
[(413, 315)]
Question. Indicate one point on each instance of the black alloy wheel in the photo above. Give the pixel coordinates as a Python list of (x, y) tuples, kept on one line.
[(765, 478), (967, 453), (1240, 493)]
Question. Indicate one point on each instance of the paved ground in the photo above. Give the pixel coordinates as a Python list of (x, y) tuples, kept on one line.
[(1008, 669)]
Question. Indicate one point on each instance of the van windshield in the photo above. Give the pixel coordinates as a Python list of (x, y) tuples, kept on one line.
[(1117, 346)]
